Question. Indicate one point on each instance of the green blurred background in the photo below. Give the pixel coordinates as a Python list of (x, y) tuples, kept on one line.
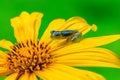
[(104, 13)]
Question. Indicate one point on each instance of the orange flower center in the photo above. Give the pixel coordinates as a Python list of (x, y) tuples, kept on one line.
[(29, 56)]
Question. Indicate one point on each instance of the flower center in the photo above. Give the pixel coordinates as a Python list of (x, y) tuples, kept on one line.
[(29, 56)]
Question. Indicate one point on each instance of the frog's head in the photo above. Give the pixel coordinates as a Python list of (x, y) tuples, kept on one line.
[(55, 34)]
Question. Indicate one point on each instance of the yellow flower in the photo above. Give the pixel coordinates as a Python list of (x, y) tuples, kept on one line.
[(51, 59)]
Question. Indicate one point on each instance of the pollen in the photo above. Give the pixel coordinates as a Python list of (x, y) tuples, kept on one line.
[(29, 56)]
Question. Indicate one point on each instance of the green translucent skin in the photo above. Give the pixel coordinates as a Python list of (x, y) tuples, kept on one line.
[(104, 13)]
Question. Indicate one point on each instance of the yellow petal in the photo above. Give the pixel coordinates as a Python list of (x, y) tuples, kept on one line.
[(62, 72), (87, 28), (36, 18), (90, 57), (4, 71), (88, 63), (3, 55), (18, 29), (5, 44), (89, 43), (97, 41), (33, 77), (85, 75), (12, 76), (24, 76), (42, 74), (77, 23), (3, 62), (50, 74), (94, 51), (26, 26), (54, 25)]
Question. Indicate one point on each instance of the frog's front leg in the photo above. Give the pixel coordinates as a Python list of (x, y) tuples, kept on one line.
[(76, 37)]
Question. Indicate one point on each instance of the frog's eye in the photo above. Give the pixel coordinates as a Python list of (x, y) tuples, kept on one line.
[(52, 31), (56, 34)]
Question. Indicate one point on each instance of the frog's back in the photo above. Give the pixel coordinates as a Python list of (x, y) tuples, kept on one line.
[(67, 33)]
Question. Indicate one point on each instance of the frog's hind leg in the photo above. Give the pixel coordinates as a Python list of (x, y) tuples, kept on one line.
[(68, 40)]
